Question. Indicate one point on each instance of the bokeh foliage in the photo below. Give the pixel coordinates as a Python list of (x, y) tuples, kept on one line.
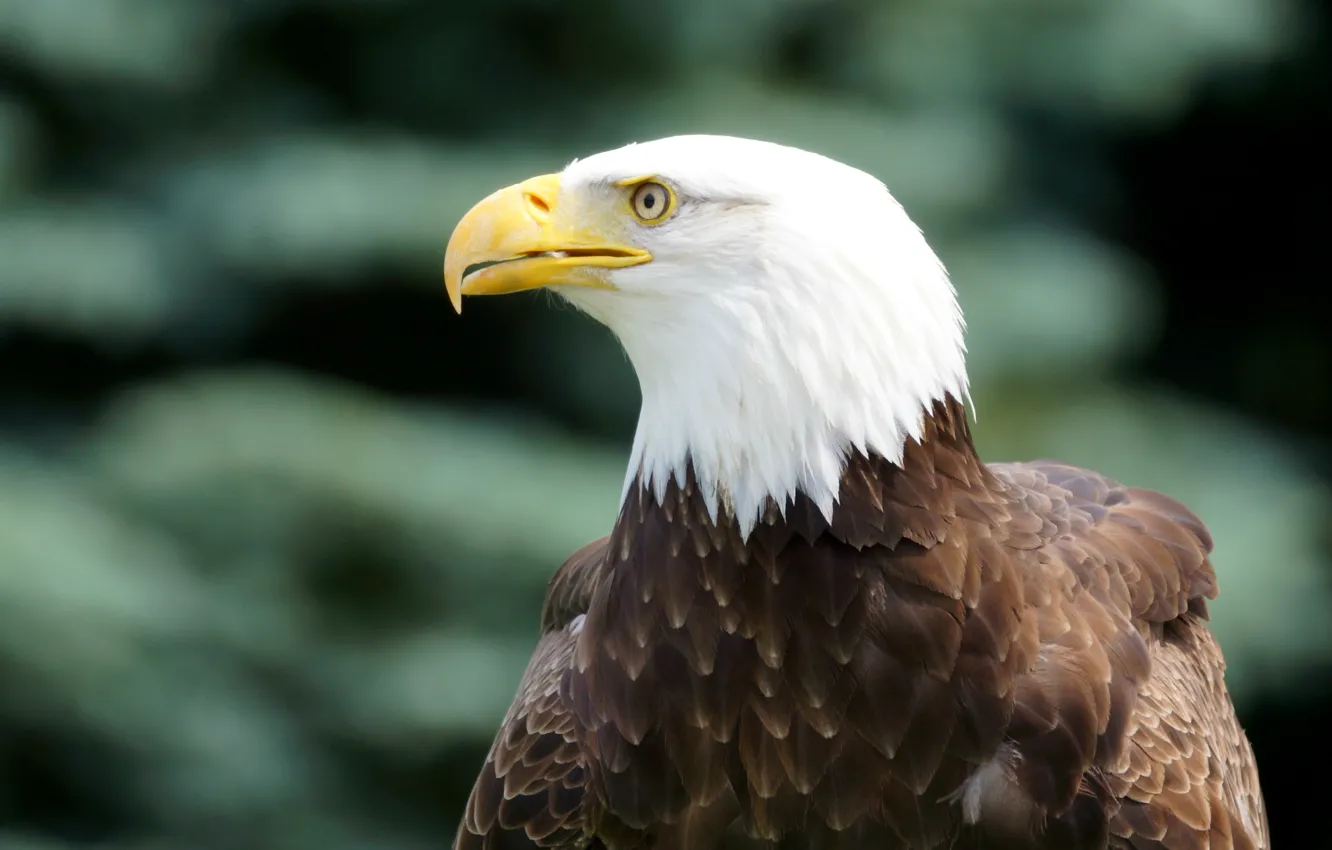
[(249, 597)]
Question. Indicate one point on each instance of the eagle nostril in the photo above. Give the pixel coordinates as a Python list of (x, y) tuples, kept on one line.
[(537, 205)]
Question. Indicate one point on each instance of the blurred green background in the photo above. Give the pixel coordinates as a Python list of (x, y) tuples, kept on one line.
[(275, 525)]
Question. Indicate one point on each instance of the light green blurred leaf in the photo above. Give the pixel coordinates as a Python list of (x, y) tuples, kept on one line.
[(156, 43), (1048, 304), (489, 483), (96, 268), (1137, 60), (433, 687)]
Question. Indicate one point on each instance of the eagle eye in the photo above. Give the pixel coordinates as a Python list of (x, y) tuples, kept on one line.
[(651, 202)]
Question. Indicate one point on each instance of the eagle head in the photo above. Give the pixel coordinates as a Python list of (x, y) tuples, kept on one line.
[(780, 308)]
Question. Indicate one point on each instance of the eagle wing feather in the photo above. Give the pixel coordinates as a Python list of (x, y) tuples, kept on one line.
[(531, 790), (1172, 768)]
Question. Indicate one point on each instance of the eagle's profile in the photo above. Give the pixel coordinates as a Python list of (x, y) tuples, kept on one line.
[(820, 620)]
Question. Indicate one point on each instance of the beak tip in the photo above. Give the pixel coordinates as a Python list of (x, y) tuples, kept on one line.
[(453, 286), (455, 296)]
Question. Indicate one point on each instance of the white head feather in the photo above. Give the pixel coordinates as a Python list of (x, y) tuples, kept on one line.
[(792, 313)]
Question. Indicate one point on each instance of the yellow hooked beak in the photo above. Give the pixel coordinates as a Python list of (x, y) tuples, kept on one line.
[(520, 237)]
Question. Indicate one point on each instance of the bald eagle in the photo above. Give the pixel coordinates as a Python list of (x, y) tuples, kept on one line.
[(820, 620)]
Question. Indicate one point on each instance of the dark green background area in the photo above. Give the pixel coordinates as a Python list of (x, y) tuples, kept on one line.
[(275, 525)]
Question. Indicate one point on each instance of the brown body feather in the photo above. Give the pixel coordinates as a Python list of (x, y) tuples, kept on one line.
[(1002, 656)]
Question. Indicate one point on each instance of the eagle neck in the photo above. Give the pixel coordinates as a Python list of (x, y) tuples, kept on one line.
[(772, 414), (880, 501)]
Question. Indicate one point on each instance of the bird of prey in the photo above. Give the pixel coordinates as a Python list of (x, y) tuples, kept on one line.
[(820, 620)]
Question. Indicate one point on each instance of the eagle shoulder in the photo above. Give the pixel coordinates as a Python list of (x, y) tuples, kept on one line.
[(570, 590), (531, 790), (1136, 550), (1114, 584)]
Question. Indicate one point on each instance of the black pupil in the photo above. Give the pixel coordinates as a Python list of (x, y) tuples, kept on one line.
[(649, 200)]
